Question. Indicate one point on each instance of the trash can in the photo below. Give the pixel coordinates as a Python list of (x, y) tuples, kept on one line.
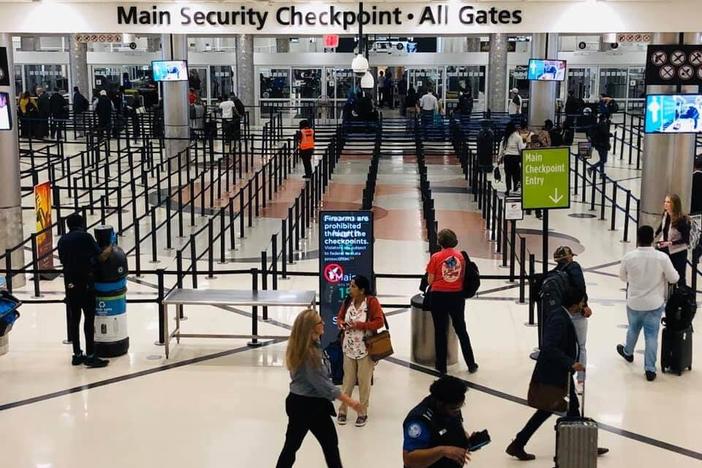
[(111, 335), (423, 350)]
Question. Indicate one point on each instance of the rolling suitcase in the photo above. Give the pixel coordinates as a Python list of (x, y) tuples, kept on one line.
[(676, 350), (576, 441)]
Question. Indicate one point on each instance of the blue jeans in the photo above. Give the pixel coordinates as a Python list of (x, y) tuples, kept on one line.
[(650, 321), (602, 152)]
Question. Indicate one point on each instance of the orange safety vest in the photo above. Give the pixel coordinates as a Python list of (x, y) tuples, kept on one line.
[(306, 139)]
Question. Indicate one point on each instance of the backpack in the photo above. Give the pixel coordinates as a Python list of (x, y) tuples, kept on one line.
[(553, 289), (471, 277), (612, 106), (335, 356), (556, 135), (81, 104), (680, 309), (516, 100)]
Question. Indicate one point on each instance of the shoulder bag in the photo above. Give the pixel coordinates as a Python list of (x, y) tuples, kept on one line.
[(379, 345)]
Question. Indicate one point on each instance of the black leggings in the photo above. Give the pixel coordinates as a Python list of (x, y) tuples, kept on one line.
[(309, 414), (443, 306), (513, 170), (679, 261), (81, 298)]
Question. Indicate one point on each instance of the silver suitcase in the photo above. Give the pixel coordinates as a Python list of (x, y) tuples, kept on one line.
[(576, 442)]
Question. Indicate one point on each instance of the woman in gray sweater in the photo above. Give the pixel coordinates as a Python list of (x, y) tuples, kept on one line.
[(309, 405)]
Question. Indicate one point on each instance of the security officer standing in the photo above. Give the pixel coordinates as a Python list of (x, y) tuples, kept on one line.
[(433, 431), (79, 254), (306, 147)]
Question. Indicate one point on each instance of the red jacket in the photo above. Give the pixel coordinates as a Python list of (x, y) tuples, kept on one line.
[(375, 315)]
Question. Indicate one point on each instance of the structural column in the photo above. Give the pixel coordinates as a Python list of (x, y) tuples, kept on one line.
[(542, 94), (10, 194), (245, 69), (78, 59), (497, 73), (667, 159), (176, 113)]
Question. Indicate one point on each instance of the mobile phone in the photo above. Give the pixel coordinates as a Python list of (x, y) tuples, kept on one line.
[(478, 440)]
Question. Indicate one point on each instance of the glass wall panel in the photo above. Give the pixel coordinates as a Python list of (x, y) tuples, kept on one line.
[(274, 83)]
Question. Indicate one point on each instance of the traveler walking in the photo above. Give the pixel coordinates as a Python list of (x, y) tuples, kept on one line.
[(647, 273), (599, 137), (674, 233), (428, 104), (511, 154), (103, 109), (515, 106), (28, 113), (381, 89), (79, 254), (445, 279), (228, 110), (44, 108), (563, 256), (306, 146), (433, 430), (552, 377), (80, 107), (359, 316), (309, 404)]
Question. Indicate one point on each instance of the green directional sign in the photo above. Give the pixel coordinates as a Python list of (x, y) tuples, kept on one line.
[(546, 178)]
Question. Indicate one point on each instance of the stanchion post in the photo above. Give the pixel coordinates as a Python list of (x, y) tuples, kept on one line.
[(161, 323), (264, 279), (522, 268), (254, 311)]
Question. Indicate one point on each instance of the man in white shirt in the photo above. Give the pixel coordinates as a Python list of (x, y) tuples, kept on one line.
[(428, 104), (227, 108), (647, 273)]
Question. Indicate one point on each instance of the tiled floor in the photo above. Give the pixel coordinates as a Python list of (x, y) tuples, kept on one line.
[(219, 403)]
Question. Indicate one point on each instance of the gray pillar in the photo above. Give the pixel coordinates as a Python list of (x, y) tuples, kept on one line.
[(153, 43), (176, 115), (497, 73), (542, 94), (473, 44), (667, 159), (282, 45), (10, 195), (245, 69), (78, 58)]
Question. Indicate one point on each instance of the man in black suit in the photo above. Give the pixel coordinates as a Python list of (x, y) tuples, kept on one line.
[(557, 361)]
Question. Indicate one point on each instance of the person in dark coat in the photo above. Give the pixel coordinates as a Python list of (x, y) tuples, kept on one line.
[(58, 108), (557, 361), (599, 137), (44, 108), (103, 109), (696, 199), (79, 255)]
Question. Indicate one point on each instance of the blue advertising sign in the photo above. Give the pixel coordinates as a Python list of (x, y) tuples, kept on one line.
[(345, 250)]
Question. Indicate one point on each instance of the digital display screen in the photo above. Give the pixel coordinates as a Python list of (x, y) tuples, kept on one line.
[(5, 112), (346, 250), (170, 70), (673, 113), (546, 70)]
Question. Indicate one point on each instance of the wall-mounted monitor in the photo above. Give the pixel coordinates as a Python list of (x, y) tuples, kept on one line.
[(546, 70), (673, 113), (170, 70), (5, 112)]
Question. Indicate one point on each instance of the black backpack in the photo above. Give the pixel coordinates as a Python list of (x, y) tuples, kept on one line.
[(553, 290), (81, 104), (471, 277), (556, 135), (612, 106), (680, 309)]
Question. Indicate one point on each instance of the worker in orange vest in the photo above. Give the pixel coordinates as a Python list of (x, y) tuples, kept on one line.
[(306, 147)]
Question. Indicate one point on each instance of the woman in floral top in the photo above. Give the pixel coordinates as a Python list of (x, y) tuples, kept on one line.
[(360, 316)]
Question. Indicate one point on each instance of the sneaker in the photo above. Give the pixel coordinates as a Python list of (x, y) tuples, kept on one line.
[(341, 419), (515, 450), (650, 376), (94, 362), (622, 353), (473, 369), (579, 387), (78, 359), (361, 421)]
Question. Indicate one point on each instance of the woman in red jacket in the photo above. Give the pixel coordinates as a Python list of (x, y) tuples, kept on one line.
[(360, 315)]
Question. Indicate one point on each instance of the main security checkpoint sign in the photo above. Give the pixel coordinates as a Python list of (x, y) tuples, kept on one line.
[(345, 250), (546, 178)]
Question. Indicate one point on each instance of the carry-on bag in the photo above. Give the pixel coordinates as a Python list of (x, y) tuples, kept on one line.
[(379, 345), (680, 308), (576, 440), (676, 350), (8, 311)]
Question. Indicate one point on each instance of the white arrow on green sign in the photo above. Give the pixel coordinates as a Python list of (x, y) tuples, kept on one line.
[(546, 178)]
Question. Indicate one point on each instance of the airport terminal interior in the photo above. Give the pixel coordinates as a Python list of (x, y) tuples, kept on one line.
[(183, 128)]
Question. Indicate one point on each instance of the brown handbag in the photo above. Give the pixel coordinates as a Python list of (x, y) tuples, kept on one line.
[(379, 345), (547, 397)]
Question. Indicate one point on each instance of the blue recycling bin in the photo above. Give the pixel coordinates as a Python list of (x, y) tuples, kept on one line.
[(111, 333)]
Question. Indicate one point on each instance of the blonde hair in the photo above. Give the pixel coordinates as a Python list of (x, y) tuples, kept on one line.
[(677, 207), (301, 345)]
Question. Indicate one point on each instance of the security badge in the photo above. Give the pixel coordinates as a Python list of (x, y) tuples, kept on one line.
[(414, 431)]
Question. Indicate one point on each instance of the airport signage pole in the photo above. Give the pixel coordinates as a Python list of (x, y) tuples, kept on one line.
[(545, 185)]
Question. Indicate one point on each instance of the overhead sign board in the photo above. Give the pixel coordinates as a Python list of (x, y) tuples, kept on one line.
[(317, 18), (546, 178), (672, 64), (345, 250)]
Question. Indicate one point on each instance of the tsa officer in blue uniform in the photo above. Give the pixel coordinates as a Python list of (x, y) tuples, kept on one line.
[(433, 431)]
